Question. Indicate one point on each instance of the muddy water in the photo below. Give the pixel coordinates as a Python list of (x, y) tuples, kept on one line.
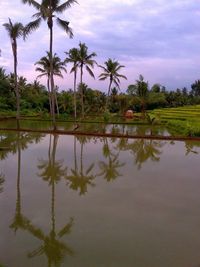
[(99, 202)]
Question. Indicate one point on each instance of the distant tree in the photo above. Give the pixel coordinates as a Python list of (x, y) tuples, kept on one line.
[(85, 60), (111, 72), (195, 88), (45, 70), (15, 31), (73, 57), (3, 74), (140, 88), (156, 88)]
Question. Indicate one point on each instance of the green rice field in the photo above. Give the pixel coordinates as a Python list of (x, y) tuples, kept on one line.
[(182, 120)]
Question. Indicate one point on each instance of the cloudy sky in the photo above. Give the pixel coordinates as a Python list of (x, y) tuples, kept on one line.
[(159, 39)]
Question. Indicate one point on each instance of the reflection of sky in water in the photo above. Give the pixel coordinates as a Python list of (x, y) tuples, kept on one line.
[(147, 214)]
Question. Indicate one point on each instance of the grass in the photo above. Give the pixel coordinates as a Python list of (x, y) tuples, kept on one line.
[(182, 120)]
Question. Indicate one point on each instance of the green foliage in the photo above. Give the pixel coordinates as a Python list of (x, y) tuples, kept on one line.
[(181, 120), (106, 116), (156, 100)]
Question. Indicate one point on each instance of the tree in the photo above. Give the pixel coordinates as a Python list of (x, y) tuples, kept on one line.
[(47, 11), (15, 31), (111, 71), (141, 90), (73, 57), (45, 69), (195, 88), (85, 60)]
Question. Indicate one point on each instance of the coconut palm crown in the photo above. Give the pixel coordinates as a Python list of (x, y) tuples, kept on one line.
[(111, 70)]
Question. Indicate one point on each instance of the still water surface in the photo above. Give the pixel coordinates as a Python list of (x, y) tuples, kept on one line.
[(98, 202)]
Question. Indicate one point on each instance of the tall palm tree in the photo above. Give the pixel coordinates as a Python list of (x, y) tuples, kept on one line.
[(44, 69), (111, 72), (15, 31), (141, 88), (85, 60), (73, 57), (47, 11)]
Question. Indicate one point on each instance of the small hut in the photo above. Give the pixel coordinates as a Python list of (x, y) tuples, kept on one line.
[(129, 114)]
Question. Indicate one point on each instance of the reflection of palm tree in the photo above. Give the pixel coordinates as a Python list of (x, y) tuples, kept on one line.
[(2, 179), (9, 141), (190, 147), (145, 149), (19, 220), (80, 179), (109, 169), (52, 246), (52, 170)]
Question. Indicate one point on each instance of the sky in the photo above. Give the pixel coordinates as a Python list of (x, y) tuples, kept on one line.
[(159, 39)]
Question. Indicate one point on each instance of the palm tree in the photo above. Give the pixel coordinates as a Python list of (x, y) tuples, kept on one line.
[(47, 11), (73, 57), (15, 31), (44, 69), (111, 70), (141, 90), (86, 61)]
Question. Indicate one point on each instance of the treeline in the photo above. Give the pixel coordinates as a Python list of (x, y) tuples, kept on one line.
[(138, 96)]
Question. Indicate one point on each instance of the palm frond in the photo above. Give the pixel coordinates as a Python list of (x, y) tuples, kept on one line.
[(116, 82), (33, 3), (121, 76), (65, 26), (31, 26), (102, 67), (42, 75), (37, 15), (90, 71), (102, 78), (64, 6), (104, 75)]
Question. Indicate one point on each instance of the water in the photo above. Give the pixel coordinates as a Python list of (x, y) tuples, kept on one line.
[(98, 202)]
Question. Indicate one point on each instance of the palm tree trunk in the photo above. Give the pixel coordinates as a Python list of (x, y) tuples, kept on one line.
[(50, 24), (82, 102), (14, 47), (109, 88), (75, 96), (56, 100), (48, 88)]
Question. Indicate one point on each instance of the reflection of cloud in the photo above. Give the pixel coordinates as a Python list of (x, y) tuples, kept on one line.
[(157, 38)]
